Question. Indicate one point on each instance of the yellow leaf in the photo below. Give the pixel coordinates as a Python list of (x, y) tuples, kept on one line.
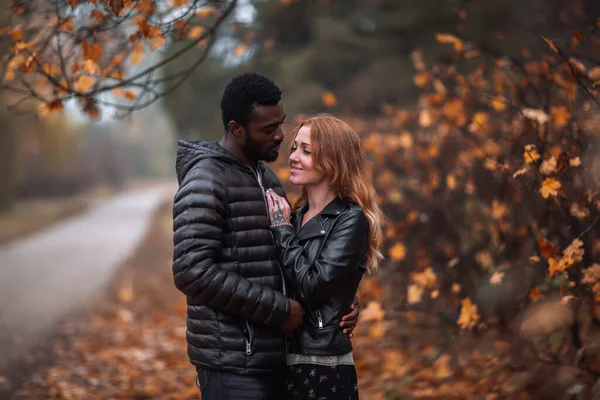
[(179, 3), (548, 166), (415, 293), (84, 83), (196, 32), (468, 314), (329, 99), (549, 187), (498, 104), (91, 66), (575, 162), (398, 252), (530, 155)]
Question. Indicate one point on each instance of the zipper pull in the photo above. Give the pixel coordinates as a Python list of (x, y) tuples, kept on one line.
[(320, 322), (248, 348)]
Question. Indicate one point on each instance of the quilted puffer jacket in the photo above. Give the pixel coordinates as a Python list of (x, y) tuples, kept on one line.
[(225, 262)]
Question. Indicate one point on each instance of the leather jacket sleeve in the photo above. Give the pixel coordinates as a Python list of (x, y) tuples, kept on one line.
[(197, 238), (342, 252)]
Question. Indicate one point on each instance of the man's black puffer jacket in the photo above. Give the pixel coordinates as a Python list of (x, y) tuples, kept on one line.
[(325, 261), (225, 262)]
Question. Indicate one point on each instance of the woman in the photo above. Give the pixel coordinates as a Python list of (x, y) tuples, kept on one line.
[(332, 238)]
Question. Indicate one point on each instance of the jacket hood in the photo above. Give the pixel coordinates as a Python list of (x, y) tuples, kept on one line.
[(190, 152)]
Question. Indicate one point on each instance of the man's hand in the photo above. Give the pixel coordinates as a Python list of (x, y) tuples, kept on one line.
[(349, 321), (294, 321)]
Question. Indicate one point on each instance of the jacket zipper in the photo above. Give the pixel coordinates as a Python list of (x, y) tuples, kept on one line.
[(262, 189), (319, 319), (248, 340)]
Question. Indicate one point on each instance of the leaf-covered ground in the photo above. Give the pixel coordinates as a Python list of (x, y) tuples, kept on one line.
[(130, 344)]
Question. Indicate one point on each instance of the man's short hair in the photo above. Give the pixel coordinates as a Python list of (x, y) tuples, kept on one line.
[(243, 93)]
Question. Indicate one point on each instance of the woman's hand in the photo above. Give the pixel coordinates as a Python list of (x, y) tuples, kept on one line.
[(279, 208)]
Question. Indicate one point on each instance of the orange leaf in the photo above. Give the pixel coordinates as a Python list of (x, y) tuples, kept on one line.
[(549, 187), (17, 34), (51, 107), (468, 314), (196, 32), (398, 252), (97, 15), (157, 42), (116, 6), (73, 3), (535, 294), (239, 50), (329, 99), (138, 53), (91, 52), (84, 83)]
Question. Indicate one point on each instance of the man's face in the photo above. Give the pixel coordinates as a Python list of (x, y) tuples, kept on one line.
[(263, 133)]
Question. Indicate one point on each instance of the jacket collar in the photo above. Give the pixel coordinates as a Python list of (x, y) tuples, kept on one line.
[(315, 226)]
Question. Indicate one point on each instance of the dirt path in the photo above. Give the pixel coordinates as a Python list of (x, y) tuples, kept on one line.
[(59, 270)]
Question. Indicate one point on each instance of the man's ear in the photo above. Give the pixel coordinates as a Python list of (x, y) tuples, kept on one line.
[(236, 129)]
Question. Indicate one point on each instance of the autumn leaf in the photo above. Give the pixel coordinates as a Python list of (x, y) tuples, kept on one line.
[(204, 12), (329, 99), (414, 294), (196, 32), (84, 82), (548, 166), (138, 53), (530, 154), (550, 187), (239, 50), (91, 66), (51, 107), (17, 34), (498, 104), (91, 51), (97, 15), (157, 42), (447, 38), (575, 162), (535, 294), (398, 252), (468, 314), (116, 6)]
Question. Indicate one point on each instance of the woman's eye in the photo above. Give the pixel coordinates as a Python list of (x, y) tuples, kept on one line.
[(293, 149), (306, 152)]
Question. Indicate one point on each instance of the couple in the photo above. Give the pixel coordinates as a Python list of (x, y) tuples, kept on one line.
[(266, 283)]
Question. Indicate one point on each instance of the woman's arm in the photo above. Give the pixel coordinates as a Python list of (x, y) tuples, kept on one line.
[(343, 251)]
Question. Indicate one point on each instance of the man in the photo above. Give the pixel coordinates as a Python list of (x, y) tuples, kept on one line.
[(238, 306)]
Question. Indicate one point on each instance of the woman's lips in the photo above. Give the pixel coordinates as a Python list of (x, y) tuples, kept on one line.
[(295, 169)]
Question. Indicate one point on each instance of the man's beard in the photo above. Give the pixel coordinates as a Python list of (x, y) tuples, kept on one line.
[(255, 154)]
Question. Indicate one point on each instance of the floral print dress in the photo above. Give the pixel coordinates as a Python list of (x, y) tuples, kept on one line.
[(321, 377)]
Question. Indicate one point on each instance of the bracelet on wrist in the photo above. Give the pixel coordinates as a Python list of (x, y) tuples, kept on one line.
[(281, 224)]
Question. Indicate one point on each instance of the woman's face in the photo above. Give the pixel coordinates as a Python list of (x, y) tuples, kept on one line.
[(302, 170)]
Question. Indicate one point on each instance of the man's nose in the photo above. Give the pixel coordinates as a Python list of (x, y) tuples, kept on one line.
[(279, 135)]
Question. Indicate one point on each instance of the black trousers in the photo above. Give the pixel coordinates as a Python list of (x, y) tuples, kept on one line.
[(215, 385)]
